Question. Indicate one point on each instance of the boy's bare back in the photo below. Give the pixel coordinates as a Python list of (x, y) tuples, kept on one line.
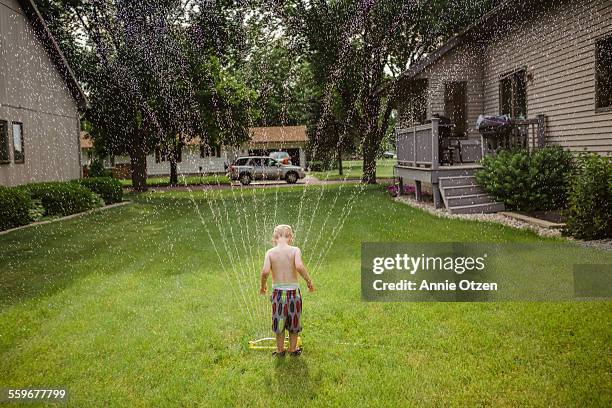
[(283, 263)]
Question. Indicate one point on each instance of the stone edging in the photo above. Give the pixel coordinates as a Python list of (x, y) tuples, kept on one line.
[(533, 220), (67, 217), (494, 217)]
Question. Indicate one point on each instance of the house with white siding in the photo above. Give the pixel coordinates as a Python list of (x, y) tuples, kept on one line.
[(198, 158), (544, 66), (40, 101)]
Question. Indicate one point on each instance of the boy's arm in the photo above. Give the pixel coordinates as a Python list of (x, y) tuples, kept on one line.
[(265, 272), (301, 268)]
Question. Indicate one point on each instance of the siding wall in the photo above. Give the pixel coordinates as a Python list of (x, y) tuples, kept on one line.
[(556, 45), (33, 92), (463, 63), (191, 160), (190, 164), (557, 48)]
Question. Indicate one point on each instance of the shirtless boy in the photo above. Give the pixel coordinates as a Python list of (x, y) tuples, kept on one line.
[(285, 263)]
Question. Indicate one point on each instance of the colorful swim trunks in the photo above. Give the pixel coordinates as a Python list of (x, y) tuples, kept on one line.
[(286, 310)]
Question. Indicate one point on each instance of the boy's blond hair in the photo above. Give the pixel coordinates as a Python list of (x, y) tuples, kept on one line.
[(284, 231)]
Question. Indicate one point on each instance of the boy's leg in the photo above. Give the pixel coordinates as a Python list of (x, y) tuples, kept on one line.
[(280, 342), (293, 337)]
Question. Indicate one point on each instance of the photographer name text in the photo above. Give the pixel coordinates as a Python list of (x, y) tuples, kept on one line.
[(413, 264)]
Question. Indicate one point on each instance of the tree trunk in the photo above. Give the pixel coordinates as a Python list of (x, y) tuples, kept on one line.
[(340, 172), (369, 161), (138, 158), (173, 171)]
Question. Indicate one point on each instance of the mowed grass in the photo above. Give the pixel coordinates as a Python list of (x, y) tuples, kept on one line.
[(137, 306), (353, 170)]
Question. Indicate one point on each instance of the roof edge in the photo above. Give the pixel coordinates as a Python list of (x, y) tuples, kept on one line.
[(454, 41)]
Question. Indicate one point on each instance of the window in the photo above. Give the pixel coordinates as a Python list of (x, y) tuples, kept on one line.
[(160, 155), (256, 162), (4, 142), (18, 155), (603, 74), (241, 161), (163, 154), (455, 105), (207, 150), (513, 94), (270, 163)]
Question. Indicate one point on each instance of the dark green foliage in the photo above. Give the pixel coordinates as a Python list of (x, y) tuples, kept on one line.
[(97, 169), (15, 207), (550, 169), (323, 165), (528, 182), (108, 188), (590, 192), (62, 198)]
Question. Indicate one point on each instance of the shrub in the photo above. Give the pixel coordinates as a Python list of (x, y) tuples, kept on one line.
[(528, 182), (62, 198), (108, 188), (96, 169), (37, 211), (323, 165), (506, 177), (550, 170), (15, 207), (589, 211)]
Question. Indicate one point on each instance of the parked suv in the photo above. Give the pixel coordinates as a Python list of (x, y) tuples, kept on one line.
[(251, 168)]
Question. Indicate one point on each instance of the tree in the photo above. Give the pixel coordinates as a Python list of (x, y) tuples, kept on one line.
[(156, 70), (369, 44)]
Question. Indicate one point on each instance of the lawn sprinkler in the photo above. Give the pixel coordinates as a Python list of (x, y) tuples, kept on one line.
[(269, 343)]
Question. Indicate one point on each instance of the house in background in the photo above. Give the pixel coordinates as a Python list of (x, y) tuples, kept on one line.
[(545, 64), (290, 139), (40, 101), (197, 158)]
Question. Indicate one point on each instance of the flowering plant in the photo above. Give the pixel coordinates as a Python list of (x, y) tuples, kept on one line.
[(393, 190)]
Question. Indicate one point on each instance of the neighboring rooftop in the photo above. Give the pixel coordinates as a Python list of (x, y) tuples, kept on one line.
[(86, 142), (278, 134), (259, 135), (492, 18)]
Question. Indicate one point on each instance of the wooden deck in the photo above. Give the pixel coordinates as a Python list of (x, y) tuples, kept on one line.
[(432, 176)]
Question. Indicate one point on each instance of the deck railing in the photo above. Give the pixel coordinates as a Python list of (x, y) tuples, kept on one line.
[(418, 146)]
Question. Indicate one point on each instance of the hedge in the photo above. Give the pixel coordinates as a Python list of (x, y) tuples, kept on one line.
[(15, 207), (589, 211), (108, 188), (528, 182), (62, 198)]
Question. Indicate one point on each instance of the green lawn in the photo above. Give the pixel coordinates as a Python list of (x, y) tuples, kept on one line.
[(353, 169), (134, 306)]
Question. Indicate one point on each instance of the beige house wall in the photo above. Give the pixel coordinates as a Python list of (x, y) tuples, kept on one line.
[(556, 46), (33, 92), (463, 63)]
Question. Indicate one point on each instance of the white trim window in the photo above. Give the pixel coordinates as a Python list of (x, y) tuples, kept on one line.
[(18, 152)]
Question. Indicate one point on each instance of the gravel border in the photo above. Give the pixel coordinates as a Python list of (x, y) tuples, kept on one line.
[(497, 218), (603, 244)]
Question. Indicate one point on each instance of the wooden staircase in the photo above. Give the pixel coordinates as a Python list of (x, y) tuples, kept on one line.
[(462, 195)]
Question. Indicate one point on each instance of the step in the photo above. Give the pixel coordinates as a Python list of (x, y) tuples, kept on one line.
[(469, 199), (456, 181), (477, 208), (465, 189)]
